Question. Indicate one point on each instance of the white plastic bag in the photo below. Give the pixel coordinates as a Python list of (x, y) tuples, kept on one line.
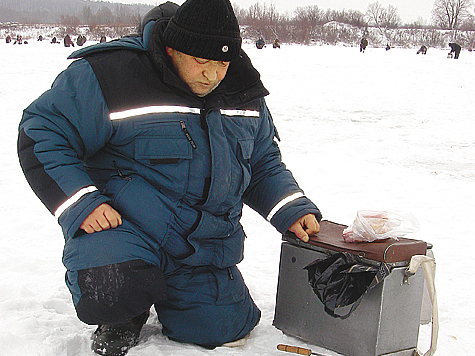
[(380, 225)]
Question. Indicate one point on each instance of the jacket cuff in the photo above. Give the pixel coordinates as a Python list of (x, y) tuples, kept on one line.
[(292, 211), (72, 217)]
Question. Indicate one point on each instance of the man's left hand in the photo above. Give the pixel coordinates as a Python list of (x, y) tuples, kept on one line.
[(305, 226)]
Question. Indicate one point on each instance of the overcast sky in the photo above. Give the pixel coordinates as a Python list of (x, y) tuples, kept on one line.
[(409, 10)]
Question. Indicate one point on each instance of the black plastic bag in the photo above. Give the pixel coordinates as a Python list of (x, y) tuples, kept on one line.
[(340, 281)]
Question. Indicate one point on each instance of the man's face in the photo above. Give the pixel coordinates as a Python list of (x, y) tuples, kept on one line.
[(201, 75)]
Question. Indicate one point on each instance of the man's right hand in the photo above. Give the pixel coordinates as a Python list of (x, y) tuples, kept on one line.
[(102, 218)]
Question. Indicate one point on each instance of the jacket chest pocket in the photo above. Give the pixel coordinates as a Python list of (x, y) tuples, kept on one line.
[(164, 147), (162, 140)]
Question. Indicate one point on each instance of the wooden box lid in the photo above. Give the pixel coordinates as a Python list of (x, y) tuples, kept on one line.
[(389, 251)]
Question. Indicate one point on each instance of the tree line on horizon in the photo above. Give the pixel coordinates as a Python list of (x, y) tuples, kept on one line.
[(451, 19)]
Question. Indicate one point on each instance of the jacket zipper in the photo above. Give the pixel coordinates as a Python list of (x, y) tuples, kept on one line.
[(187, 134), (121, 175)]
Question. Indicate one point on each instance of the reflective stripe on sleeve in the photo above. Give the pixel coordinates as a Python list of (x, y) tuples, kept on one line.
[(283, 202), (75, 198)]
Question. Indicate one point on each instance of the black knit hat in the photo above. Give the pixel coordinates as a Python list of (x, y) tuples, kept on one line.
[(205, 29)]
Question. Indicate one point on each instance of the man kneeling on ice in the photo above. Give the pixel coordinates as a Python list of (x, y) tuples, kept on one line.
[(145, 149)]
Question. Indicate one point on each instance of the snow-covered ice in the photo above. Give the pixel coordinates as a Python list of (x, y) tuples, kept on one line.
[(377, 130)]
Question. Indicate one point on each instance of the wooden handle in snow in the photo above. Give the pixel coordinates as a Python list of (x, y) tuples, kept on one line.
[(294, 349)]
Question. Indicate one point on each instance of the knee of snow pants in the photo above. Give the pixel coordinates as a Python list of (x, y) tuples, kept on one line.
[(118, 292), (207, 306), (113, 275)]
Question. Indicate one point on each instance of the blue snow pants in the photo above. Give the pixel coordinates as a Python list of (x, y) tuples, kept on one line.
[(117, 274)]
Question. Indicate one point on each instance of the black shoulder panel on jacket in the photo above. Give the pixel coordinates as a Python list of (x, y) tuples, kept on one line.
[(129, 79)]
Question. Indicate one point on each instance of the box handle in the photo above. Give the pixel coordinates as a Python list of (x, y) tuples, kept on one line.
[(428, 267)]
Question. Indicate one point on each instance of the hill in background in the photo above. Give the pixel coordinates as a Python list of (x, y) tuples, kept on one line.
[(76, 12)]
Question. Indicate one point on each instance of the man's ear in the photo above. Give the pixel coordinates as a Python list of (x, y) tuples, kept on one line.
[(169, 51)]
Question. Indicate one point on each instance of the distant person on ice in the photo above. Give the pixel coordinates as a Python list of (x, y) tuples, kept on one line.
[(363, 44), (260, 43), (18, 40), (147, 173), (455, 49), (81, 40), (422, 50), (68, 42)]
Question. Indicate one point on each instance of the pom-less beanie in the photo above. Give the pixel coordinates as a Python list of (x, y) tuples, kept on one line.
[(206, 29)]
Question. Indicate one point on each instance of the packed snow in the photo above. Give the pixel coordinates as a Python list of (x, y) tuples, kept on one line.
[(380, 130)]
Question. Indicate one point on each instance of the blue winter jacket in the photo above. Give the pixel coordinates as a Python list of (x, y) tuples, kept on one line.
[(118, 126)]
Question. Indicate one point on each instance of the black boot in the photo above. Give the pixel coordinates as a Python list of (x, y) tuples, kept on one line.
[(117, 339)]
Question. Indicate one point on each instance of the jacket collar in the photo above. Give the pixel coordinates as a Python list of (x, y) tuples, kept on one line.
[(240, 86)]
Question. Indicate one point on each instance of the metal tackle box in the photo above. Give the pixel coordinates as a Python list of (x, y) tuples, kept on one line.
[(386, 322)]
